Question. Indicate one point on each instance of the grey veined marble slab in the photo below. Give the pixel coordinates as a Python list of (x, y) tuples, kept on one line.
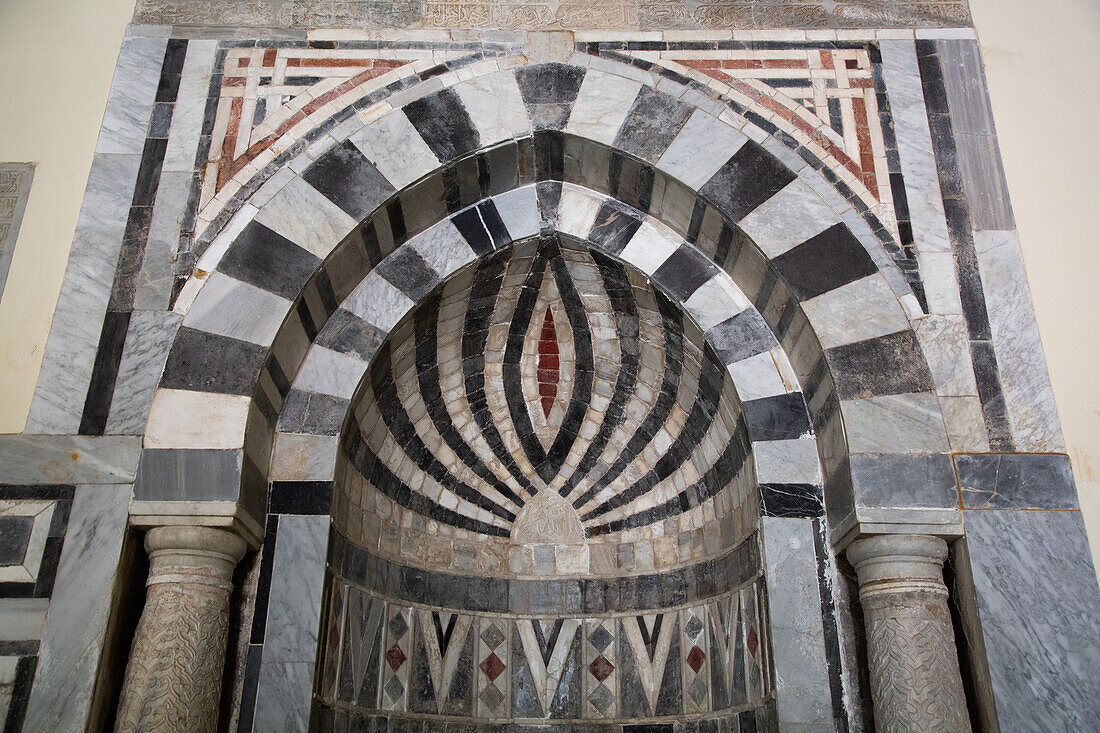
[(79, 610), (1040, 611), (798, 639), (68, 459)]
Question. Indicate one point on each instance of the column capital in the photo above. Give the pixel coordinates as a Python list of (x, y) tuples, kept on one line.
[(191, 554), (898, 563), (915, 680)]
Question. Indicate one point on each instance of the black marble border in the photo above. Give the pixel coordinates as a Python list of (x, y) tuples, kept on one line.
[(116, 321), (956, 207), (51, 553)]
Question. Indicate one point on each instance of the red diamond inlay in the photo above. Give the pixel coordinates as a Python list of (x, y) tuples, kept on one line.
[(548, 363), (492, 666), (695, 658), (753, 641), (395, 657), (601, 668)]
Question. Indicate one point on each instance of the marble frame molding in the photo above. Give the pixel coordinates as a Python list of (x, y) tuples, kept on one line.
[(941, 123)]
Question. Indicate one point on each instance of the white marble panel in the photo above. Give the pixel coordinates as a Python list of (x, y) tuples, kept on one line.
[(130, 101), (941, 285), (154, 283), (78, 317), (763, 375), (602, 104), (443, 247), (946, 346), (788, 218), (378, 302), (187, 117), (68, 459), (918, 162), (229, 307), (304, 457), (495, 106), (901, 423), (715, 301), (700, 149), (519, 210), (854, 312), (294, 610), (798, 637), (965, 423), (148, 341), (306, 217), (22, 619), (184, 419), (396, 149), (1029, 397), (787, 461), (79, 610), (577, 210), (650, 246), (329, 372), (283, 696)]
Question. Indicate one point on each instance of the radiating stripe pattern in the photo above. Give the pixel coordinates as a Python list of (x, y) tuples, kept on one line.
[(551, 375)]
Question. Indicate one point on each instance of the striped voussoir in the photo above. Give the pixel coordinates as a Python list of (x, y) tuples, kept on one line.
[(794, 295)]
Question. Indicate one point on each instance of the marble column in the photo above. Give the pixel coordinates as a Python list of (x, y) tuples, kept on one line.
[(915, 680), (174, 676)]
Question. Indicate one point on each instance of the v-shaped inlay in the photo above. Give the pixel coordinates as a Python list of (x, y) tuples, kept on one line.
[(546, 656), (546, 646), (650, 648), (443, 635), (649, 638), (442, 653)]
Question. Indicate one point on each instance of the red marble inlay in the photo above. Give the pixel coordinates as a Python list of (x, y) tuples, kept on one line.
[(753, 641), (492, 666), (695, 658), (548, 363), (601, 667), (395, 657)]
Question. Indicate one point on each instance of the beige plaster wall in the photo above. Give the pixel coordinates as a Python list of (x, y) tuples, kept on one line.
[(57, 57), (1041, 63)]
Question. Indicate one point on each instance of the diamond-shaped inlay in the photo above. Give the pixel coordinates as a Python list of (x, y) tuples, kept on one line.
[(752, 641), (398, 626), (394, 689), (693, 628), (492, 636), (600, 638), (601, 698), (491, 666), (601, 667), (491, 696), (395, 657), (698, 691), (695, 658)]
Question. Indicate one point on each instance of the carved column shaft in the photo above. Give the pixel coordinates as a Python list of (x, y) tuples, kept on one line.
[(174, 676), (915, 680)]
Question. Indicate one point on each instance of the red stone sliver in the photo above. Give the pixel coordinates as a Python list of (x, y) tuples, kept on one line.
[(601, 667), (395, 657), (695, 658), (752, 641), (491, 666), (547, 373)]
